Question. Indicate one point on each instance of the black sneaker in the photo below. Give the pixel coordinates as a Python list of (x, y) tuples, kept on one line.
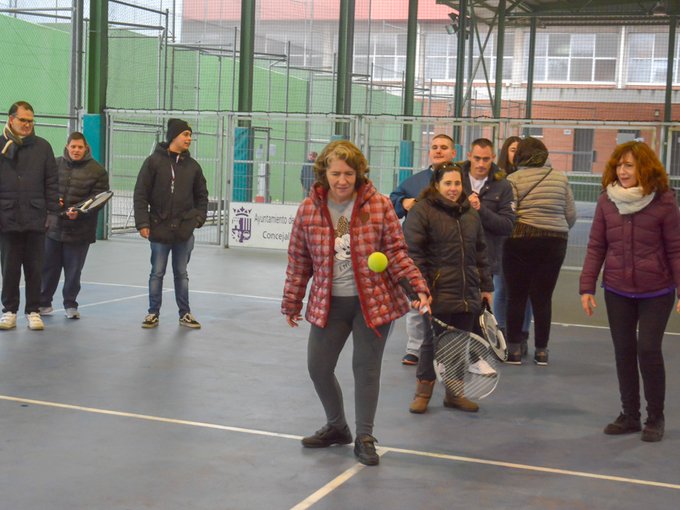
[(409, 359), (327, 436), (189, 321), (364, 449), (654, 428), (624, 424), (150, 321), (514, 358), (541, 357)]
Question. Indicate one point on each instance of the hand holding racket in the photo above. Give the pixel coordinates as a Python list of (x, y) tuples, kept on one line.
[(464, 362), (89, 205)]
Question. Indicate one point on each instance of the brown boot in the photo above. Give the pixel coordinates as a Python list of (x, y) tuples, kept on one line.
[(422, 396), (460, 402)]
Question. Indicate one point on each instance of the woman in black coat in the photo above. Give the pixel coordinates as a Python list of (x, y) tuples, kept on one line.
[(445, 239)]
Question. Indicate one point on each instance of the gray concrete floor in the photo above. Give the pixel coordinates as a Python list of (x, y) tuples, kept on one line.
[(100, 414)]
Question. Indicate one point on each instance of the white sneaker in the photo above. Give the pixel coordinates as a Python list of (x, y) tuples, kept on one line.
[(481, 367), (72, 313), (34, 321), (8, 320), (46, 310)]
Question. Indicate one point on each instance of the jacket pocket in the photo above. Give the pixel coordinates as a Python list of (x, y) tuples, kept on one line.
[(7, 213)]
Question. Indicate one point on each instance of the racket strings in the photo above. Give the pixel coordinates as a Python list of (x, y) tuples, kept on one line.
[(466, 365), (493, 334)]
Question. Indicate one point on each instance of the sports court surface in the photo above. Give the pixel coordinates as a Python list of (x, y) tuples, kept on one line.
[(101, 414)]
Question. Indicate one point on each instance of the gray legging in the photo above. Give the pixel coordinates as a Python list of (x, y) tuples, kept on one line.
[(325, 345)]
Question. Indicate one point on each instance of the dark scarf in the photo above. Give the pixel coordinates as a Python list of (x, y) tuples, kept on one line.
[(9, 142)]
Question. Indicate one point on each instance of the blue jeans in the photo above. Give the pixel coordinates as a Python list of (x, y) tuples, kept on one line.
[(71, 258), (181, 253), (500, 304)]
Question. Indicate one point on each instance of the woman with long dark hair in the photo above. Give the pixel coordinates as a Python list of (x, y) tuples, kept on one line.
[(534, 252), (506, 162)]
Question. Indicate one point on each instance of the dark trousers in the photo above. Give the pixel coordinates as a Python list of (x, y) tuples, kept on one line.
[(425, 371), (531, 267), (17, 250), (637, 327), (71, 258), (324, 347)]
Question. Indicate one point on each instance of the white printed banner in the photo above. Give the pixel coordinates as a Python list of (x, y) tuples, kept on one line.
[(255, 225)]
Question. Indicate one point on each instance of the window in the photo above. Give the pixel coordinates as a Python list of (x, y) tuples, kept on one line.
[(441, 53), (535, 132), (440, 62), (574, 57), (385, 52), (648, 58)]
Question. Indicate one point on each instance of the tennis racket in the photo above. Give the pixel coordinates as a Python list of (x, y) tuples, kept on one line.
[(491, 332), (92, 203), (464, 362)]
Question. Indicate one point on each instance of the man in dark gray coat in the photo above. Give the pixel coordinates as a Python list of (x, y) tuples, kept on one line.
[(71, 233), (28, 191), (170, 200)]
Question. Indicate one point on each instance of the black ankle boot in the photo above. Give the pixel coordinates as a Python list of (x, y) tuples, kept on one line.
[(654, 428), (364, 449), (327, 436), (624, 424)]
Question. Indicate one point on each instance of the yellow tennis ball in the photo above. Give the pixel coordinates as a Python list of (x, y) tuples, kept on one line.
[(377, 262)]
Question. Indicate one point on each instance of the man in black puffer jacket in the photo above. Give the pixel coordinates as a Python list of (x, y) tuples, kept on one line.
[(28, 191), (70, 234), (170, 200)]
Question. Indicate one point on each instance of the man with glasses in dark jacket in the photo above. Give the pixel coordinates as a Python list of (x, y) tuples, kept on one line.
[(28, 191), (170, 201)]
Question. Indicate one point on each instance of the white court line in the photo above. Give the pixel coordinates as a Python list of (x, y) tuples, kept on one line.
[(267, 298), (349, 473), (147, 417), (328, 488), (210, 292), (540, 469), (332, 485)]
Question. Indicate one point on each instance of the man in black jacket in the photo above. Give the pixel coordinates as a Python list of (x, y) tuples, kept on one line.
[(70, 234), (170, 201), (28, 190), (490, 194)]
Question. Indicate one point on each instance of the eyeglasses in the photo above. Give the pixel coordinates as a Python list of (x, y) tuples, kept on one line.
[(28, 122)]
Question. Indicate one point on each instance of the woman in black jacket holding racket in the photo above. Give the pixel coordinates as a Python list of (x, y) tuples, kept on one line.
[(445, 239)]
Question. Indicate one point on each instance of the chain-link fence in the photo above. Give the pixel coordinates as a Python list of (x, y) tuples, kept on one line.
[(258, 158)]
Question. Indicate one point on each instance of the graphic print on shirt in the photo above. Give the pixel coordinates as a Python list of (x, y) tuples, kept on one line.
[(342, 251)]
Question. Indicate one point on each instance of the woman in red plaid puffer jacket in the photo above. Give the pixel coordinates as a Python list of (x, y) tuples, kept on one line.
[(341, 222)]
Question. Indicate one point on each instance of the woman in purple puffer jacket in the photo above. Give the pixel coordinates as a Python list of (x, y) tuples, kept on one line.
[(636, 235)]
